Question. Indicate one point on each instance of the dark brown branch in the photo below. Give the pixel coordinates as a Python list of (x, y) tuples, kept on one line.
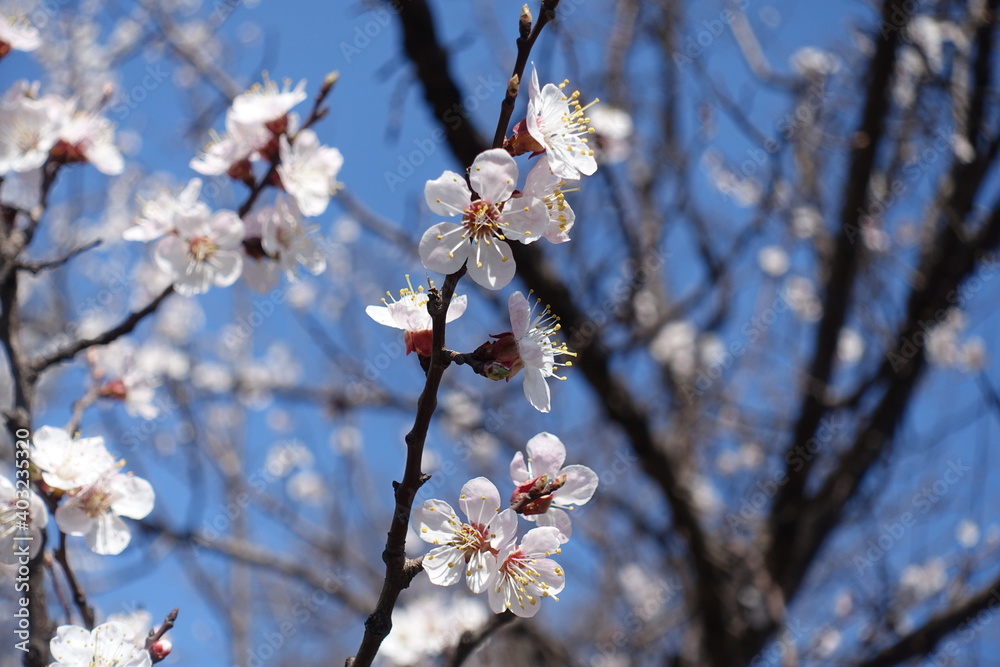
[(251, 554), (430, 60), (400, 570), (947, 260)]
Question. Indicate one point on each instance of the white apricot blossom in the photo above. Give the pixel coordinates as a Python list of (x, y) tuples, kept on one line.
[(557, 122), (488, 220), (409, 313), (525, 574), (278, 242), (95, 510), (203, 251), (308, 171), (107, 645), (528, 347), (468, 548), (543, 469), (68, 463)]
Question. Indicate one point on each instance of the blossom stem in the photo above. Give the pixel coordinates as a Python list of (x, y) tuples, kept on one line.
[(79, 597), (524, 44)]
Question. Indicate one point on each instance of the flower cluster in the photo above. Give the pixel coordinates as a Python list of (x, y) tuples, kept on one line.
[(493, 211), (485, 549), (198, 248), (39, 128), (108, 645), (261, 127), (94, 493)]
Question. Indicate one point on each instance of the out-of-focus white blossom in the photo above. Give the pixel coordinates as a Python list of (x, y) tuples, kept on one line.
[(967, 533), (850, 346), (612, 131), (428, 625), (676, 346), (107, 645), (814, 63), (17, 34), (308, 171), (800, 295), (773, 260), (23, 517)]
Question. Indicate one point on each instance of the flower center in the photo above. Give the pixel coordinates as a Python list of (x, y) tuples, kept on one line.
[(472, 538), (202, 248), (481, 220), (95, 501)]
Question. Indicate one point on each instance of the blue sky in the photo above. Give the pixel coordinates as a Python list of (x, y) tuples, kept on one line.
[(378, 121)]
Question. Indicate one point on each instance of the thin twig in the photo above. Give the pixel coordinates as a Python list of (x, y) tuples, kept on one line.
[(156, 634), (79, 597), (524, 44), (37, 267)]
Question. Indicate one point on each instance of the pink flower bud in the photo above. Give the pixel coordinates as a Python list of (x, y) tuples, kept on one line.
[(522, 142), (504, 359), (160, 649)]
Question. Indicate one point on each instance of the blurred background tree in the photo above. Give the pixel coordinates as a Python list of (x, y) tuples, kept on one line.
[(780, 287)]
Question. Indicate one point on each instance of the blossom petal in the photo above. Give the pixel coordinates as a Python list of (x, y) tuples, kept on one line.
[(227, 229), (526, 219), (382, 315), (494, 175), (503, 529), (134, 496), (480, 500), (72, 645), (442, 249), (495, 267), (536, 390), (444, 565), (448, 194), (479, 570), (73, 519), (540, 542), (109, 536), (261, 275), (410, 313), (228, 266), (558, 519), (170, 255), (551, 579), (435, 521), (546, 454), (457, 307), (520, 314), (519, 469), (581, 483)]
